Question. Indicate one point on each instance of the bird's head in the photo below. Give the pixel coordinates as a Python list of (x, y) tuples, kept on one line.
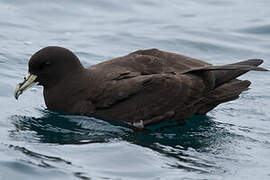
[(47, 67)]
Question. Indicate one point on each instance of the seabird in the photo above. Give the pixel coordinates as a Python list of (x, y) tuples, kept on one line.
[(141, 88)]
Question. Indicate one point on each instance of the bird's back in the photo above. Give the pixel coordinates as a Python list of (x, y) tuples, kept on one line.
[(151, 61), (153, 85)]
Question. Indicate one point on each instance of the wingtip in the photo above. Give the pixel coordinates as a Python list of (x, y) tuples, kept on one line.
[(255, 62), (260, 61)]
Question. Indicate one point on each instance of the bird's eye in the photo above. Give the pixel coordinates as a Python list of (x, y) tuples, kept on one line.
[(45, 64)]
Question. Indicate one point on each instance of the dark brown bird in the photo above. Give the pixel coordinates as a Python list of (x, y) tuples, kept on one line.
[(141, 88)]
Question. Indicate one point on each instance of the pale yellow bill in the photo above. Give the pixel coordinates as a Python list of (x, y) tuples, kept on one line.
[(29, 81)]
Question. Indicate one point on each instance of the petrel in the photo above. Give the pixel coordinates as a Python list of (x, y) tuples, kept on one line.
[(141, 88)]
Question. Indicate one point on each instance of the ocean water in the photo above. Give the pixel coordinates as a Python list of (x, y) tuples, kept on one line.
[(231, 142)]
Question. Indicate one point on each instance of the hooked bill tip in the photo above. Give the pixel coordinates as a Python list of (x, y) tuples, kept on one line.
[(17, 92), (17, 95)]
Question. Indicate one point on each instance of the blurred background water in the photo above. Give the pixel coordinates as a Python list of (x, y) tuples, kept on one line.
[(231, 142)]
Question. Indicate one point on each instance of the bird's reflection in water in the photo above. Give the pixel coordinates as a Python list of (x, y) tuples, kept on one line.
[(198, 132), (171, 139), (53, 127)]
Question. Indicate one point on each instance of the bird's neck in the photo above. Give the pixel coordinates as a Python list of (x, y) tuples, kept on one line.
[(63, 95)]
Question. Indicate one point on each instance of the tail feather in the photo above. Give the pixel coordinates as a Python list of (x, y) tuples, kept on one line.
[(224, 93), (237, 69), (250, 62), (225, 85), (226, 73)]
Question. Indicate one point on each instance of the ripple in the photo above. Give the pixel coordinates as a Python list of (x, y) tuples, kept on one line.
[(258, 30), (13, 25), (39, 156), (32, 164)]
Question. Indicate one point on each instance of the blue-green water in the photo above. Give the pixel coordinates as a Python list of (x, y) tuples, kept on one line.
[(231, 142)]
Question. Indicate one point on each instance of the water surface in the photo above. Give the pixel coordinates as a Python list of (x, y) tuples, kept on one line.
[(231, 142)]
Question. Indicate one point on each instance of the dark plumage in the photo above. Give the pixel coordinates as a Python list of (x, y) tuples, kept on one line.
[(144, 87)]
